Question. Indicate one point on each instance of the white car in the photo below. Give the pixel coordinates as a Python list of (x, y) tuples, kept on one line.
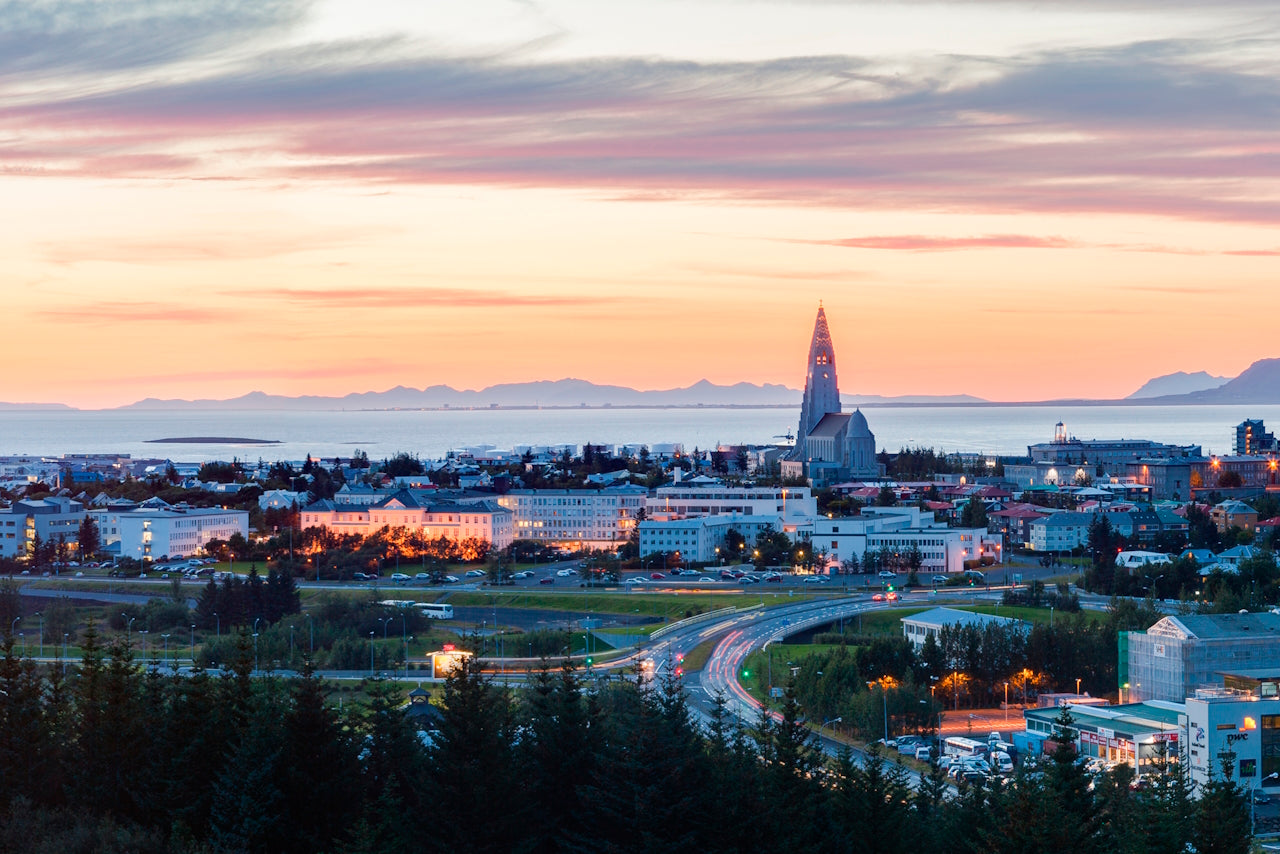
[(475, 573), (816, 579), (399, 577), (886, 575), (565, 573), (706, 579), (524, 573), (451, 579), (634, 580)]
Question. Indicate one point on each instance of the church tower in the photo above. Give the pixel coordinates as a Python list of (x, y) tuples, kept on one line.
[(821, 391)]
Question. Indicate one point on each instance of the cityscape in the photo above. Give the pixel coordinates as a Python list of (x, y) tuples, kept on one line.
[(818, 427)]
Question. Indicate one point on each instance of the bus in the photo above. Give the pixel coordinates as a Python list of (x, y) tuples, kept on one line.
[(958, 746), (436, 610)]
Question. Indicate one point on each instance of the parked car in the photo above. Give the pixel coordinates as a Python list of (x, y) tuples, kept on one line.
[(657, 576), (706, 579), (939, 579), (565, 573), (907, 743), (361, 576), (886, 575), (451, 579), (475, 573), (399, 577), (423, 576), (524, 573), (924, 753), (547, 580), (1260, 797), (816, 579), (747, 579), (773, 579), (635, 579)]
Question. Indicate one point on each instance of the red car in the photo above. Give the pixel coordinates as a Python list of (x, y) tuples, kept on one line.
[(547, 580), (657, 576)]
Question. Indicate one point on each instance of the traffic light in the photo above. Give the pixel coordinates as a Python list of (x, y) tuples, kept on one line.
[(746, 674), (589, 660)]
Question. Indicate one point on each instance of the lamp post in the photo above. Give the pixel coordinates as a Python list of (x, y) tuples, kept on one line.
[(1006, 702), (41, 616), (65, 636), (128, 628), (143, 632), (166, 647), (255, 652), (312, 627), (217, 623), (824, 723), (884, 697), (371, 653), (1077, 685), (193, 644), (13, 627), (1252, 795)]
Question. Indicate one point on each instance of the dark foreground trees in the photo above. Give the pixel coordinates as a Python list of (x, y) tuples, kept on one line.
[(114, 759)]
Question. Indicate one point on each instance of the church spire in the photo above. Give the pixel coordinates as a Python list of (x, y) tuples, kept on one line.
[(821, 390)]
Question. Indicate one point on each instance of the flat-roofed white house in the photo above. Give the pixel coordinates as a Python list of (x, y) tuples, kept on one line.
[(149, 533), (918, 627)]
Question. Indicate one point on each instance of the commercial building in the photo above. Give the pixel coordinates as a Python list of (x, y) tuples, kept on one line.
[(1178, 655), (701, 539), (794, 505), (1134, 734), (453, 520), (153, 533), (1111, 454), (51, 519), (579, 518), (900, 530)]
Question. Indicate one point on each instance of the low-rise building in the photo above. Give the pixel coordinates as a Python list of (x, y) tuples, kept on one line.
[(1178, 655), (900, 530), (148, 534), (1060, 532), (578, 518), (51, 519), (701, 539), (454, 520), (919, 627), (794, 505)]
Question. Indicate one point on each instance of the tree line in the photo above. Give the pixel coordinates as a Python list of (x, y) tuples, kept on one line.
[(114, 759)]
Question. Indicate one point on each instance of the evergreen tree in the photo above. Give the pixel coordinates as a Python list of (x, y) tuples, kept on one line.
[(1221, 822)]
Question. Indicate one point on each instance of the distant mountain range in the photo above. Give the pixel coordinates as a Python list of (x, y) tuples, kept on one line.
[(1260, 384), (544, 393), (1179, 383)]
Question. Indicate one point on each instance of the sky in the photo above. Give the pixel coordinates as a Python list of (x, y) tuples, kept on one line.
[(1013, 200)]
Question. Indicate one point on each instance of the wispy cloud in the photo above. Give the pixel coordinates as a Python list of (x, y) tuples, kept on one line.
[(113, 312), (925, 243), (382, 298), (1183, 128)]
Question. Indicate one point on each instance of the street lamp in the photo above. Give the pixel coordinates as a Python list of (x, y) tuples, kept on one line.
[(218, 623), (312, 626), (884, 696), (371, 653), (824, 723), (41, 616), (128, 629), (13, 627), (1252, 795), (143, 632), (1077, 685), (65, 636), (166, 647), (255, 652), (1006, 701), (193, 644)]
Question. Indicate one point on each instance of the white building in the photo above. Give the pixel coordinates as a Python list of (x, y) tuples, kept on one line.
[(1060, 532), (46, 518), (918, 627), (702, 538), (581, 518), (151, 534), (455, 521), (795, 506), (898, 530)]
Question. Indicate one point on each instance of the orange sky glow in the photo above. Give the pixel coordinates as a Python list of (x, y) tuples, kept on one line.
[(1015, 201)]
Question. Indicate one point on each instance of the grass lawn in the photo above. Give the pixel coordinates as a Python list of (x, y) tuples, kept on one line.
[(672, 607), (1031, 615)]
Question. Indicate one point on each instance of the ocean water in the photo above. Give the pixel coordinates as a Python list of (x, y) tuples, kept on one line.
[(430, 434)]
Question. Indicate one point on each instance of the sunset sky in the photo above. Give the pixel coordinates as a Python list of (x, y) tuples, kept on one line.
[(1013, 200)]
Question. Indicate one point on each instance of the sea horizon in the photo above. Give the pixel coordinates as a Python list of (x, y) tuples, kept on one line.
[(1002, 430)]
